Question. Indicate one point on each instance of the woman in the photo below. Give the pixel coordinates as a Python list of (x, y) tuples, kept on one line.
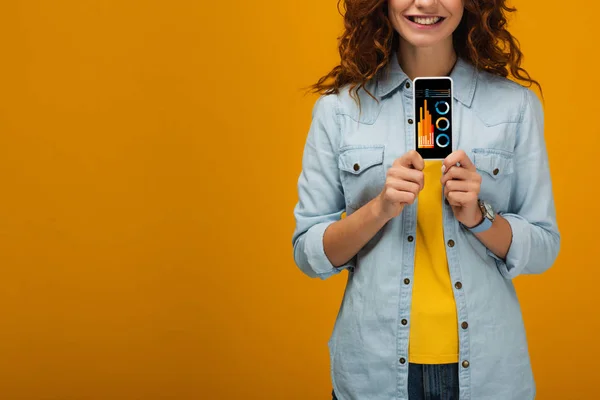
[(431, 247)]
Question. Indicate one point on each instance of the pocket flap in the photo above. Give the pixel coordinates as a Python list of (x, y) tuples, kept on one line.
[(357, 159), (494, 162)]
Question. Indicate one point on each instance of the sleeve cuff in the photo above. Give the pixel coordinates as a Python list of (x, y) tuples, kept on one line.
[(315, 252), (519, 249)]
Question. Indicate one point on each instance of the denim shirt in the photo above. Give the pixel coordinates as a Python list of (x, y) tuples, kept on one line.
[(499, 124)]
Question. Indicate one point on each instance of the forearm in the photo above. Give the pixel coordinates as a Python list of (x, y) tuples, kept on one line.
[(498, 238), (534, 246), (344, 238)]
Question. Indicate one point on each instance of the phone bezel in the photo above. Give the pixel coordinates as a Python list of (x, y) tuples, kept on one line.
[(414, 85)]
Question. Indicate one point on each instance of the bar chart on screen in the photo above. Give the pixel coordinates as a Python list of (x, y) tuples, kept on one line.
[(425, 128)]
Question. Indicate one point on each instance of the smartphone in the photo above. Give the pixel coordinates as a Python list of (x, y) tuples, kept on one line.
[(433, 116)]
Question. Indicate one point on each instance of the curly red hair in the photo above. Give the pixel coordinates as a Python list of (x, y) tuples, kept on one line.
[(369, 39)]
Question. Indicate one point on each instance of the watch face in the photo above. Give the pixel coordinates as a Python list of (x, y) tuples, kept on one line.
[(489, 210)]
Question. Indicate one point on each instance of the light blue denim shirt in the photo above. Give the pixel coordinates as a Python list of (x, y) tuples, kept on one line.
[(499, 124)]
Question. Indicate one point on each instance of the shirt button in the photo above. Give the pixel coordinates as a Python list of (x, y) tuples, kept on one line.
[(406, 281), (465, 364), (458, 285), (451, 243), (496, 171), (407, 85), (410, 121), (464, 325), (402, 360), (410, 238), (404, 322), (356, 167)]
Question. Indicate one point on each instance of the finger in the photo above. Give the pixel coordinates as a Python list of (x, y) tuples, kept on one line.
[(460, 199), (408, 174), (404, 186), (462, 186), (412, 159), (457, 157), (459, 173), (401, 197)]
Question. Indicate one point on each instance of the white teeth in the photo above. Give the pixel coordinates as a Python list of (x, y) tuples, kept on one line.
[(426, 21)]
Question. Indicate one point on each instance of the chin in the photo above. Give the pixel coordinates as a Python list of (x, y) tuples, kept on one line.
[(421, 41)]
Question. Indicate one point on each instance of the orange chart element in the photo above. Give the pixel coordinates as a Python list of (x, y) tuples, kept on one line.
[(425, 128)]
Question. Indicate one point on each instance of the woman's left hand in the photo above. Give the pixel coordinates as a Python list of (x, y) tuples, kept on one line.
[(461, 188)]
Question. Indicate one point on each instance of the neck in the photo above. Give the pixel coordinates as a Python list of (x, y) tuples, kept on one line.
[(437, 60)]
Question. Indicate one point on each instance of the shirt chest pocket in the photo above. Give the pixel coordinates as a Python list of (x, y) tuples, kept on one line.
[(362, 173), (496, 169)]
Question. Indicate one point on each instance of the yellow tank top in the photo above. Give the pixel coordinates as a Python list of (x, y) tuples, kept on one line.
[(434, 324)]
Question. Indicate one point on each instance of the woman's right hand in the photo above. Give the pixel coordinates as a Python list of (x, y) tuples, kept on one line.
[(404, 180)]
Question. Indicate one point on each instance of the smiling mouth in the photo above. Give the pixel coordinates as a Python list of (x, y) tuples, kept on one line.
[(425, 20)]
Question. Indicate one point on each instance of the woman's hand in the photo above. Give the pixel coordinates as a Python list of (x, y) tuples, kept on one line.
[(404, 180), (461, 188)]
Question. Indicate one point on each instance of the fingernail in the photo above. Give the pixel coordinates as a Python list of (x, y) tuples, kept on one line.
[(443, 168)]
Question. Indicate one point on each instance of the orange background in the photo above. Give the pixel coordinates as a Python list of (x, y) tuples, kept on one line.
[(149, 154)]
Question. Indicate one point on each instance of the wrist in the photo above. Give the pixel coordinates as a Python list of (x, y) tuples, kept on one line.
[(487, 218), (476, 221), (376, 207)]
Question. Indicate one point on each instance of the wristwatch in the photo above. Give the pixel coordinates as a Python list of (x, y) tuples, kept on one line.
[(488, 217)]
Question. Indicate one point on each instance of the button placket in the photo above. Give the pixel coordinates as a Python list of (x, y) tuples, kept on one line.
[(456, 278), (409, 226)]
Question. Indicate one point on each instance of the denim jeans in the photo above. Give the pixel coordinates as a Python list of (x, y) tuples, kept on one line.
[(431, 382)]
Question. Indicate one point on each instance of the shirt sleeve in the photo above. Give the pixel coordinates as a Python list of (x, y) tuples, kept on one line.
[(320, 194), (535, 237)]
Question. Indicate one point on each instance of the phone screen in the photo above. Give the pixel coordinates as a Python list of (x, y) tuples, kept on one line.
[(433, 115)]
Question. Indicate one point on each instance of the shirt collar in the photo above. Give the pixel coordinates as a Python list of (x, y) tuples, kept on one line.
[(464, 76)]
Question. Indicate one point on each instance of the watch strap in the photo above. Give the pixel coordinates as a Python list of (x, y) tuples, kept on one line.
[(483, 226)]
